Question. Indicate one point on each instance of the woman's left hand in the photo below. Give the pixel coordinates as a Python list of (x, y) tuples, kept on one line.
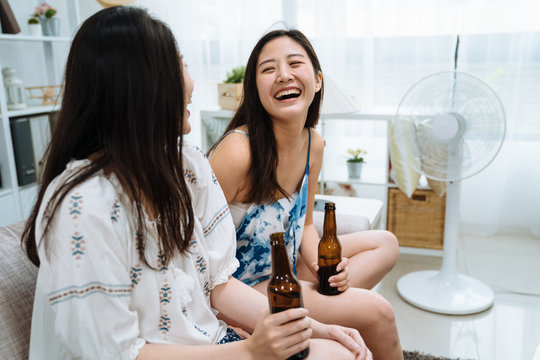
[(342, 279), (348, 337)]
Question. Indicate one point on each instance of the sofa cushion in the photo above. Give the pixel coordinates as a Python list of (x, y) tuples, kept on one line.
[(17, 285), (345, 223)]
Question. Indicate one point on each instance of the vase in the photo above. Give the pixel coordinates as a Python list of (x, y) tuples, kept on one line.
[(35, 30), (354, 169), (51, 26)]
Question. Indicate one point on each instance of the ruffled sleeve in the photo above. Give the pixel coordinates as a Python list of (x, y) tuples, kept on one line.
[(211, 209), (85, 281)]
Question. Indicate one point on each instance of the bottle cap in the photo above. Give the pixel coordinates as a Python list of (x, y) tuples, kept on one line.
[(329, 206)]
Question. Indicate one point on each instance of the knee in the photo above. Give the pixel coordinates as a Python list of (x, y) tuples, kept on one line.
[(391, 245), (381, 313), (385, 311)]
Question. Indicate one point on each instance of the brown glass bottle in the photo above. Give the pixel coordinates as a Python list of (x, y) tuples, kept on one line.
[(283, 289), (329, 251)]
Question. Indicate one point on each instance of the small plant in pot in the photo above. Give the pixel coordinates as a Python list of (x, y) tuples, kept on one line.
[(34, 27), (230, 91), (355, 161)]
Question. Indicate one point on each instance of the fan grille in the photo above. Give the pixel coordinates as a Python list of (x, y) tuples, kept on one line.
[(452, 124)]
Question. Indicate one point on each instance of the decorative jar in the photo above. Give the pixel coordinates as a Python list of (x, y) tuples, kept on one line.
[(14, 90)]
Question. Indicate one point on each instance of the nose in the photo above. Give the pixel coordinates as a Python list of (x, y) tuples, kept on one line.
[(284, 75)]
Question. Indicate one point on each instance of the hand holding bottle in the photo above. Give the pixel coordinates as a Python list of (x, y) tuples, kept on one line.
[(329, 254), (280, 335), (342, 279)]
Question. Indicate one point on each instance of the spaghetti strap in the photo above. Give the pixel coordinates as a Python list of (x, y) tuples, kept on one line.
[(308, 151), (236, 131)]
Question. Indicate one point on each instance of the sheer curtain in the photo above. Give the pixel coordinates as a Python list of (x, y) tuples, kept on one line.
[(375, 50)]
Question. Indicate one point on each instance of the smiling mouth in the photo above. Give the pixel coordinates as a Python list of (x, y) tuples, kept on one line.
[(288, 94)]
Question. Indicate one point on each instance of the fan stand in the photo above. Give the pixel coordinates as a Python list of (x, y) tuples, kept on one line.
[(446, 291)]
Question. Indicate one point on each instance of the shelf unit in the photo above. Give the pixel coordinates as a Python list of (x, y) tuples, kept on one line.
[(214, 122), (16, 201), (367, 130)]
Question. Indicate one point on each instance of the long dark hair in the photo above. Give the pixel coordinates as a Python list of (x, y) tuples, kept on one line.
[(251, 112), (123, 104)]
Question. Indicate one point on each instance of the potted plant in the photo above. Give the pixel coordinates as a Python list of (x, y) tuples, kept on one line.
[(355, 161), (50, 23), (230, 91), (34, 28)]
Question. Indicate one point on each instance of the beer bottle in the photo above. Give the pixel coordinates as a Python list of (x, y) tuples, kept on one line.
[(329, 251), (283, 289)]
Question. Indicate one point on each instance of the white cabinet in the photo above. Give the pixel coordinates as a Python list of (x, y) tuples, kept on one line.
[(38, 61)]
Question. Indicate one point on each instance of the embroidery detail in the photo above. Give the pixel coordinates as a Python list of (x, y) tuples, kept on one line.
[(115, 214), (165, 294), (161, 263), (201, 264), (199, 150), (77, 245), (201, 330), (135, 274), (190, 176), (75, 208), (216, 219), (83, 291), (164, 323), (214, 179), (206, 288)]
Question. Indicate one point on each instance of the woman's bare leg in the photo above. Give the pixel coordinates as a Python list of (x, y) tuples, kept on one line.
[(372, 255), (364, 310), (323, 349)]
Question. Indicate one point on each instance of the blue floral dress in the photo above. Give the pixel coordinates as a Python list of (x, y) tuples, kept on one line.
[(253, 249)]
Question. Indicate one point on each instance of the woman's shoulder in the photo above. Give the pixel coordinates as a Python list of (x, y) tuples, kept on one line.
[(233, 149), (99, 196), (317, 143)]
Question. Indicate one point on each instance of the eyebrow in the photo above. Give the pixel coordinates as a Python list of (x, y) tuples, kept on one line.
[(272, 60)]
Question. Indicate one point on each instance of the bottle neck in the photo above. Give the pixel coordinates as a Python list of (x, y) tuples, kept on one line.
[(330, 227), (280, 258)]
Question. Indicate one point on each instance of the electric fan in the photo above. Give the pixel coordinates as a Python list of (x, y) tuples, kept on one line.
[(449, 126)]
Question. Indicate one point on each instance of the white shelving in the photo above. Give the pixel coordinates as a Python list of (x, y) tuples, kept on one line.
[(24, 53), (340, 132), (33, 110), (22, 37), (367, 130)]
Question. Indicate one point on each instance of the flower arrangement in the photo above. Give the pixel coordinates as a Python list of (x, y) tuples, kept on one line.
[(356, 155), (42, 11)]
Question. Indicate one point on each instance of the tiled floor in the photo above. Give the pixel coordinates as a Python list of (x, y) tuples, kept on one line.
[(510, 330)]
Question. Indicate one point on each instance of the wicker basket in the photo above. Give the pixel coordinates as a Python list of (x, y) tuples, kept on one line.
[(418, 221)]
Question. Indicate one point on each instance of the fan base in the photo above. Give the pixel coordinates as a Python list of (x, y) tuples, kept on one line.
[(452, 294)]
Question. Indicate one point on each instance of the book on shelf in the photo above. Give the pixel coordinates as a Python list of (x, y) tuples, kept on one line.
[(7, 19)]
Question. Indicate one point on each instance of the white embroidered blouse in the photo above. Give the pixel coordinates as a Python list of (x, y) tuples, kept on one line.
[(95, 299)]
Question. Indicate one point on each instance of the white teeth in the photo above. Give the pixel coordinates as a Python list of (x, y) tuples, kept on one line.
[(287, 92)]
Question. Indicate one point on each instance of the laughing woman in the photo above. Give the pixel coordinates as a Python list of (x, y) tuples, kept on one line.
[(268, 163)]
